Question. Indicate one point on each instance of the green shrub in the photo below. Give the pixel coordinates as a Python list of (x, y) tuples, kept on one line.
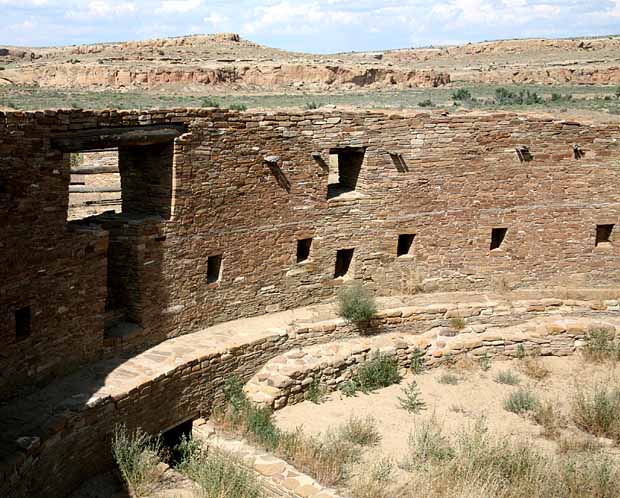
[(412, 398), (417, 361), (504, 96), (356, 304), (218, 475), (598, 411), (521, 401), (349, 388), (360, 431), (617, 92), (315, 392), (238, 107), (507, 377), (485, 362), (548, 415), (520, 351), (462, 95), (427, 444), (457, 323), (209, 102), (425, 103), (137, 456), (448, 378), (601, 345), (312, 105), (381, 371)]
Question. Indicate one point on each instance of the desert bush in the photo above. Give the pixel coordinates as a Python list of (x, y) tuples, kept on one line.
[(371, 480), (503, 96), (411, 399), (356, 304), (380, 371), (217, 474), (462, 95), (520, 351), (312, 105), (534, 368), (507, 377), (137, 455), (601, 345), (238, 107), (485, 362), (549, 416), (521, 401), (315, 392), (425, 103), (360, 431), (417, 361), (209, 102), (448, 378), (427, 444), (597, 411), (578, 443)]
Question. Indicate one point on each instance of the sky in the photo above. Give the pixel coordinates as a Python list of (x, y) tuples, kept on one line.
[(320, 26)]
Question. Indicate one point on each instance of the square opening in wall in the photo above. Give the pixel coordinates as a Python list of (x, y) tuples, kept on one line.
[(303, 250), (343, 262), (405, 241), (603, 234), (345, 165), (22, 323), (497, 237), (214, 268)]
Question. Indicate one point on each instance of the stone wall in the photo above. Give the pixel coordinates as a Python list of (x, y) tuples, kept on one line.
[(246, 186)]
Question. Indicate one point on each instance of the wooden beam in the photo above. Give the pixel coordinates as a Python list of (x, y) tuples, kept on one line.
[(108, 138)]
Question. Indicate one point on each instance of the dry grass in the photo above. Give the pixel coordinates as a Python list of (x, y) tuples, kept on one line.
[(596, 410), (534, 368)]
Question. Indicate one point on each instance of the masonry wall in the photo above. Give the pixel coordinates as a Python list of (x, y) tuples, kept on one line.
[(247, 186)]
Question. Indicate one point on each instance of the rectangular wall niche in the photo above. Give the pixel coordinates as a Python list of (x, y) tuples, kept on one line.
[(603, 234), (405, 242), (497, 237), (343, 262), (214, 268), (303, 250), (22, 323), (345, 165)]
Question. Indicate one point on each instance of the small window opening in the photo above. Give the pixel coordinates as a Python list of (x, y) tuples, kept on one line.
[(343, 262), (22, 323), (345, 166), (524, 154), (603, 234), (303, 250), (497, 237), (578, 152), (95, 184), (405, 241), (214, 268)]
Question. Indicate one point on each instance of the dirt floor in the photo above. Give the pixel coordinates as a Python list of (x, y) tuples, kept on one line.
[(477, 394)]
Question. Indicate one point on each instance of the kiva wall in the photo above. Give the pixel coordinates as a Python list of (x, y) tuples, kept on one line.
[(226, 199)]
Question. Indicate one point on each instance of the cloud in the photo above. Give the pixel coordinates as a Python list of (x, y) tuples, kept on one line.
[(178, 6), (103, 8)]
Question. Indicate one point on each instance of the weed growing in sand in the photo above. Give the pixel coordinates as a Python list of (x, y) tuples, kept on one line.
[(597, 411), (507, 377), (315, 392), (218, 475), (381, 371), (521, 401), (457, 323), (485, 362), (417, 361), (548, 415), (601, 345), (448, 378), (137, 455), (534, 368), (411, 399), (360, 431), (356, 304)]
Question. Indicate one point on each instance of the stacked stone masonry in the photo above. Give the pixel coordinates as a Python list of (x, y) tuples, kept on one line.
[(243, 189)]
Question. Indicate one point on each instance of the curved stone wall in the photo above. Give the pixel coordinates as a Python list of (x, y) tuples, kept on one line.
[(64, 429)]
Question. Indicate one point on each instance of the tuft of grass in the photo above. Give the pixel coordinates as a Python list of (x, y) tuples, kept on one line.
[(549, 416), (315, 392), (137, 455), (427, 444), (485, 362), (521, 401), (507, 377), (219, 475), (425, 103), (457, 323), (448, 378), (356, 304), (372, 478), (462, 95), (360, 431), (520, 351), (411, 399), (597, 411), (417, 361), (601, 345), (238, 107), (312, 105)]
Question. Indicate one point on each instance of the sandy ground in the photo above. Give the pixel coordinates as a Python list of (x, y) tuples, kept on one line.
[(453, 406)]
